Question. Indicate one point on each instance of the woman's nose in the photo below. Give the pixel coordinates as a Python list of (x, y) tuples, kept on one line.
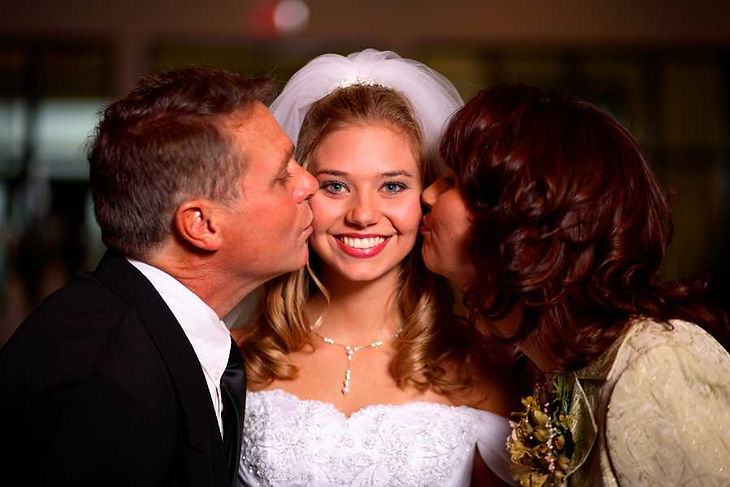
[(364, 211), (431, 194)]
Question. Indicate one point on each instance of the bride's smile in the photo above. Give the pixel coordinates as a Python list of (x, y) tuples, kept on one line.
[(367, 210), (362, 245)]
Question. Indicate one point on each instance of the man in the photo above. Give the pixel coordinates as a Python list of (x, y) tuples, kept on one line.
[(127, 376)]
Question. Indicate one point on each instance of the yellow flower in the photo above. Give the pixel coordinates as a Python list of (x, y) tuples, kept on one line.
[(563, 463), (541, 450), (541, 434), (529, 401), (558, 476), (533, 479), (563, 421), (526, 429), (541, 419), (539, 438), (518, 451)]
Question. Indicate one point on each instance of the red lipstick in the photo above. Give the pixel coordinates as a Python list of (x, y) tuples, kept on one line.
[(360, 252)]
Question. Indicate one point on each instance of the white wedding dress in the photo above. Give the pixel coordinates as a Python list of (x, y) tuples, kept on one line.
[(289, 441)]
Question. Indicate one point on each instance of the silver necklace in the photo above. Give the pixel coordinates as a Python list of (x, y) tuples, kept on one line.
[(350, 351)]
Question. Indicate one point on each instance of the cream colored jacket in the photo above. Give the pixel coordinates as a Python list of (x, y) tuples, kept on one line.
[(654, 410)]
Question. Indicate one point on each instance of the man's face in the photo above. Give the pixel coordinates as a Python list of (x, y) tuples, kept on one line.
[(270, 221)]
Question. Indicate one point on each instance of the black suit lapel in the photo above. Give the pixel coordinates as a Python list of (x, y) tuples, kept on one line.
[(177, 352)]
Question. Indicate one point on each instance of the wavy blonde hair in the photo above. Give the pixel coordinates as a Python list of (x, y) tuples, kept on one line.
[(432, 340)]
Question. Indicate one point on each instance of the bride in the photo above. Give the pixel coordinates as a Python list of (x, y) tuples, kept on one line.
[(358, 372)]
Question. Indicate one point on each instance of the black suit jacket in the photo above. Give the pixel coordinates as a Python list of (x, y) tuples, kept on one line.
[(100, 386)]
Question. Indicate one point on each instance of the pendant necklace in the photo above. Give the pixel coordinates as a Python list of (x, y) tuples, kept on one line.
[(350, 351)]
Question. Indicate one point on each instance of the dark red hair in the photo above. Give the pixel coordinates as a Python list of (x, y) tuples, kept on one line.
[(570, 224)]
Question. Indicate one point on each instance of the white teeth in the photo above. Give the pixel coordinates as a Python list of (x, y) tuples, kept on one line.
[(362, 243)]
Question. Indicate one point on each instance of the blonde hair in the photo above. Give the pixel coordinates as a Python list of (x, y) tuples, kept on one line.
[(431, 337)]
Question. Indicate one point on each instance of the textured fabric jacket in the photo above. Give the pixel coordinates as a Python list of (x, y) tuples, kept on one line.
[(654, 410)]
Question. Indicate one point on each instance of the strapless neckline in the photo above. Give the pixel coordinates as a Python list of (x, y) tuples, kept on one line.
[(370, 408), (290, 441)]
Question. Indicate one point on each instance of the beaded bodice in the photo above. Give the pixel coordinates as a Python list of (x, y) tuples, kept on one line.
[(294, 442)]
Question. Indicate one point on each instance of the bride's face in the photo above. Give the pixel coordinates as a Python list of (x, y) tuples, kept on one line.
[(366, 213)]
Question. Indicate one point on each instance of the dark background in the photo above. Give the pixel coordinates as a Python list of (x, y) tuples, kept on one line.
[(661, 67)]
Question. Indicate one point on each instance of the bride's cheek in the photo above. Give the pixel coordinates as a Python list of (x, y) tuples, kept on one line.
[(407, 215)]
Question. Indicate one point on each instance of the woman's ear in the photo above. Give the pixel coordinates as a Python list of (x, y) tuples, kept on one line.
[(198, 223)]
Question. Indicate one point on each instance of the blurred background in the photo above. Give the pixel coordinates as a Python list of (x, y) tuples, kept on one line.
[(660, 67)]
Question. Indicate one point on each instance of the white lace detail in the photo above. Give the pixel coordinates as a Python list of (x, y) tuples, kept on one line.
[(294, 442)]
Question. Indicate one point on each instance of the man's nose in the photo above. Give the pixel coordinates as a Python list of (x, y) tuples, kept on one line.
[(306, 185)]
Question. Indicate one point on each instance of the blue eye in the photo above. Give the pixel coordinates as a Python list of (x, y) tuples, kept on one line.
[(394, 187), (334, 187)]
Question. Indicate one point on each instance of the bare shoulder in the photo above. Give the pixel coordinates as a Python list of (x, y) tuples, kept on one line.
[(495, 390)]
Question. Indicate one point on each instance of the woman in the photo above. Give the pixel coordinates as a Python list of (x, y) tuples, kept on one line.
[(553, 224), (359, 375)]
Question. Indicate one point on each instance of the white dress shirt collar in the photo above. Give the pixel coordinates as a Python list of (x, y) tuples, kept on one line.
[(208, 335)]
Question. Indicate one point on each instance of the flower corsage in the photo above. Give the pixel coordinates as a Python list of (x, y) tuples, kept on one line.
[(540, 445)]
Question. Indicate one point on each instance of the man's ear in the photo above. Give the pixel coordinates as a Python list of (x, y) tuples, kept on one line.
[(198, 223)]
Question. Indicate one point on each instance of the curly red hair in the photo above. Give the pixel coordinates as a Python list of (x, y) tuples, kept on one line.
[(569, 224)]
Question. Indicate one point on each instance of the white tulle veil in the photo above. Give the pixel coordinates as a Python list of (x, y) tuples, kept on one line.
[(432, 97)]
